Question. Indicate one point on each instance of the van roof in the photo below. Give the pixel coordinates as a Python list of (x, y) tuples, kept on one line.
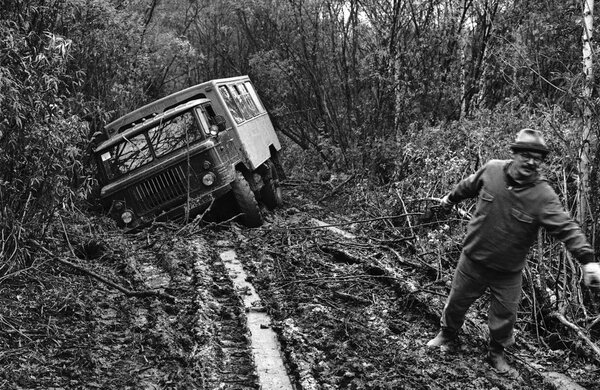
[(161, 105)]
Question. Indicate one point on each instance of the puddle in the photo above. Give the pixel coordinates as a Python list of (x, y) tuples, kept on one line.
[(271, 370)]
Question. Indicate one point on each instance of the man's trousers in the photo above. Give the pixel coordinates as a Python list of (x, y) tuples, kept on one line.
[(470, 281)]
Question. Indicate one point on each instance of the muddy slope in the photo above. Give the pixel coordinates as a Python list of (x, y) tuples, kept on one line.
[(351, 312)]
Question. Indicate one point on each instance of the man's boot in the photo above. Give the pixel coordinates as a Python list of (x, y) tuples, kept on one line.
[(442, 339), (498, 361)]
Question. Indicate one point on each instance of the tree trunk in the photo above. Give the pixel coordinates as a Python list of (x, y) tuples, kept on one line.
[(588, 141)]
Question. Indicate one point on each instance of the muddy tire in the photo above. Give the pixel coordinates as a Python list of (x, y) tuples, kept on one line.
[(271, 192), (278, 166), (246, 202)]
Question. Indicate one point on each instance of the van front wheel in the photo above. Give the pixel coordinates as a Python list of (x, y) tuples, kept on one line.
[(246, 202)]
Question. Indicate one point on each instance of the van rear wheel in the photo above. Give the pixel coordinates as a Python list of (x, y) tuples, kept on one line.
[(246, 202), (271, 195), (271, 191)]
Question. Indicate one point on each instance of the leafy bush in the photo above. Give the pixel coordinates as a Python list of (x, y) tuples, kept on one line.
[(41, 145)]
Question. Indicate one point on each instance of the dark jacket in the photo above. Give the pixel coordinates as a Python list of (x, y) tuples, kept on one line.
[(508, 216)]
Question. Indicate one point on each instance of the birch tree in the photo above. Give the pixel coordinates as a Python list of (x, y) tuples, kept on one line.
[(588, 141)]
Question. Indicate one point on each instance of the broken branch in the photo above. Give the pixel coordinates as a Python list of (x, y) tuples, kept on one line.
[(335, 189), (560, 317), (350, 222), (127, 292)]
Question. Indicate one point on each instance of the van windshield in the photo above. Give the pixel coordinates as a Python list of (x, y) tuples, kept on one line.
[(174, 133), (165, 137)]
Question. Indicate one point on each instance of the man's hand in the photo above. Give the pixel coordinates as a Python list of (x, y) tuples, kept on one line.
[(446, 203), (591, 274)]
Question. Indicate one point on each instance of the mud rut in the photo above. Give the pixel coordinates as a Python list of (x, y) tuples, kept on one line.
[(236, 368)]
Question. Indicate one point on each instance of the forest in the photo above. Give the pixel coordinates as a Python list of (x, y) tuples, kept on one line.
[(379, 104)]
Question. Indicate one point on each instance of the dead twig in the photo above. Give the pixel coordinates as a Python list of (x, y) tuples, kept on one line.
[(412, 231), (590, 326), (66, 237)]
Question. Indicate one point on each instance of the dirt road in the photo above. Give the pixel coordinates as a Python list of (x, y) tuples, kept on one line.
[(350, 312)]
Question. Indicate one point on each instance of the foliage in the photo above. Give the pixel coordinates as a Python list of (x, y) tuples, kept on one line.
[(65, 69), (40, 143), (416, 93)]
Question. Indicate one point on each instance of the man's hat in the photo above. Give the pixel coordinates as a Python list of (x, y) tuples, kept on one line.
[(530, 140)]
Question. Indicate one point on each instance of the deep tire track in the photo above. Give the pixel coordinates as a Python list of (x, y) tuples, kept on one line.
[(232, 346)]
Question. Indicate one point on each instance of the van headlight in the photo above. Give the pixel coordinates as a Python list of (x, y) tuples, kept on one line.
[(208, 179), (127, 216)]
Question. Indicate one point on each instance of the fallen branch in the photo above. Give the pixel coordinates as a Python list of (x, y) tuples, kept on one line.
[(335, 189), (127, 292), (462, 212), (579, 332), (347, 223), (351, 298), (412, 231)]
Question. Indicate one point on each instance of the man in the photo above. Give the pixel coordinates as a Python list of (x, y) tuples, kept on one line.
[(514, 200)]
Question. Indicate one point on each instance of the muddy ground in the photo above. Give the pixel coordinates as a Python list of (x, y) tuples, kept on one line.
[(351, 312)]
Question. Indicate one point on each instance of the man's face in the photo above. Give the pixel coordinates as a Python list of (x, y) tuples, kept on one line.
[(527, 163)]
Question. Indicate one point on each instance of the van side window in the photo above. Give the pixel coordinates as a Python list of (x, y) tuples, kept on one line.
[(231, 104), (248, 101), (244, 101), (241, 103), (254, 96)]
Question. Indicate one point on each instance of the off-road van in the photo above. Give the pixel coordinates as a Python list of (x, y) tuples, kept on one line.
[(210, 144)]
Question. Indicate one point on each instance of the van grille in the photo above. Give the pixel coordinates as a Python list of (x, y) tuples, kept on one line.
[(161, 188)]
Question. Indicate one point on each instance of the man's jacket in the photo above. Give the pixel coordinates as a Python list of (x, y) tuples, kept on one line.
[(508, 216)]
